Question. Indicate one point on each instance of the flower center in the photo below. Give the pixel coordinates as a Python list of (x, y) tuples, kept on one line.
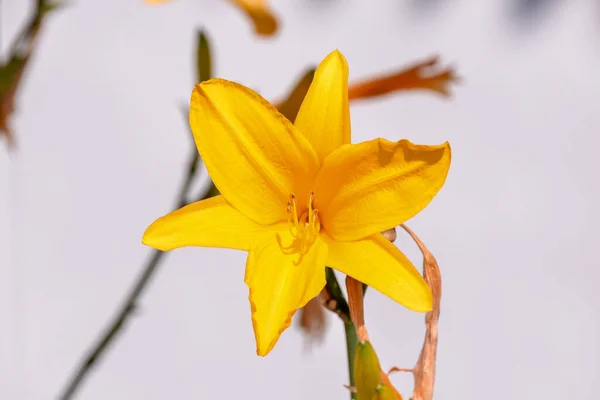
[(304, 229)]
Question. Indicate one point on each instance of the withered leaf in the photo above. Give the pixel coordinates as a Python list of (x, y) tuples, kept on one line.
[(11, 73), (203, 58), (424, 371)]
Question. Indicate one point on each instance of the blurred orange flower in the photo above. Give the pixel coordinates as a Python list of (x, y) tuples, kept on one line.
[(263, 19), (424, 75)]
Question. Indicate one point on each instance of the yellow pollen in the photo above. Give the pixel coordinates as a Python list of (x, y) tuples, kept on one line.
[(304, 229)]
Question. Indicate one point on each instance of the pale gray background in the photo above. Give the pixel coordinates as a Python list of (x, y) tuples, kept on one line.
[(102, 147)]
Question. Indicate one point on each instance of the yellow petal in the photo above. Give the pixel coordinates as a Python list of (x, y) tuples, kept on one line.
[(373, 186), (208, 223), (280, 284), (156, 1), (324, 117), (263, 19), (253, 154), (378, 263)]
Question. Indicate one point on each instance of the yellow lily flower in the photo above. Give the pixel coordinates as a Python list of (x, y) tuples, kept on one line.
[(299, 197)]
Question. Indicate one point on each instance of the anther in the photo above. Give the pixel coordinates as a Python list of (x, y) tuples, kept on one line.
[(316, 223)]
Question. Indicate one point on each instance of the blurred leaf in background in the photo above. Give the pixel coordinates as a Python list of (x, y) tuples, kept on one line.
[(263, 19), (290, 106), (11, 72), (10, 77), (203, 59), (425, 368), (203, 73)]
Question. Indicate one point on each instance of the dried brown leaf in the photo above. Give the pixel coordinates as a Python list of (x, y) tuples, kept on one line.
[(424, 371), (6, 110), (352, 389), (7, 100), (11, 74), (398, 369)]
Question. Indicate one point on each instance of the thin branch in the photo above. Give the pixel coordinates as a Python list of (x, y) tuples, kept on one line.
[(115, 326), (130, 304), (351, 340), (333, 299), (11, 73)]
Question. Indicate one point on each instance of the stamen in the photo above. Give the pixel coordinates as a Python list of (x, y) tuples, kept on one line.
[(304, 229), (292, 215)]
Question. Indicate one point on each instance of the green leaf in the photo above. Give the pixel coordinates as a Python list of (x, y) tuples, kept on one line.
[(203, 60), (290, 106), (367, 371)]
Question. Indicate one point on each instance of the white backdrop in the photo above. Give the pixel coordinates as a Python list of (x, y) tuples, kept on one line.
[(102, 147)]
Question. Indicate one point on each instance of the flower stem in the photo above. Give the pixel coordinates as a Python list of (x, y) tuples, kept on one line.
[(130, 304), (351, 349), (338, 304)]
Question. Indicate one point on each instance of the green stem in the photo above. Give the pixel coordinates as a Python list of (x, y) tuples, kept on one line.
[(351, 349), (341, 306), (131, 302), (343, 311)]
